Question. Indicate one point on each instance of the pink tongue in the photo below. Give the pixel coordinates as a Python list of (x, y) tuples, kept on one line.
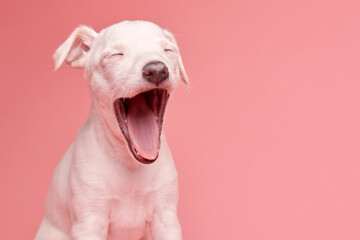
[(143, 128)]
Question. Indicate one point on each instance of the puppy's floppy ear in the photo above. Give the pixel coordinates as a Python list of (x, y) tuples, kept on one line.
[(183, 75), (75, 49)]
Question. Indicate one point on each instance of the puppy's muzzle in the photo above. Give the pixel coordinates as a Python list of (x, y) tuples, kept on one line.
[(155, 72)]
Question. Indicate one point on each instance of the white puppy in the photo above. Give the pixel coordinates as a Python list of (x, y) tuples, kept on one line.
[(108, 184)]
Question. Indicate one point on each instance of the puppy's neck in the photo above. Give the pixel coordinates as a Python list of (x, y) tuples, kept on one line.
[(110, 139)]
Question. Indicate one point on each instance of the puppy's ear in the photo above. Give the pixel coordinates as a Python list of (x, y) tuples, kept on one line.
[(75, 49), (183, 75)]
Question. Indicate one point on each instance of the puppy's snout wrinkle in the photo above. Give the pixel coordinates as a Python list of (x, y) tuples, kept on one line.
[(155, 72)]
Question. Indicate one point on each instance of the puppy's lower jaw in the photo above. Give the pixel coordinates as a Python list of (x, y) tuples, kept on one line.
[(140, 119)]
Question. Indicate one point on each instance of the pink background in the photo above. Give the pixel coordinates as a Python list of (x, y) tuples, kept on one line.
[(266, 141)]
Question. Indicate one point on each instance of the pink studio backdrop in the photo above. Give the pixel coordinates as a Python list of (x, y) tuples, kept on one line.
[(266, 141)]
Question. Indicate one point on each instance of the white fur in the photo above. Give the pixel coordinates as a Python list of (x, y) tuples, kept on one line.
[(99, 191)]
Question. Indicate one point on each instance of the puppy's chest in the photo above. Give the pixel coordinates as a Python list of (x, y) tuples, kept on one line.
[(130, 210)]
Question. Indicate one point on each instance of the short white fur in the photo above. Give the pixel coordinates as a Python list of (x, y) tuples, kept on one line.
[(98, 190)]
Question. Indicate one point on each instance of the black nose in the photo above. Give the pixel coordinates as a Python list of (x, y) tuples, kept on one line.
[(155, 72)]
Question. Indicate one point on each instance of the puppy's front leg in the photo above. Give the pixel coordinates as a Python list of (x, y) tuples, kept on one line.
[(165, 225), (90, 228)]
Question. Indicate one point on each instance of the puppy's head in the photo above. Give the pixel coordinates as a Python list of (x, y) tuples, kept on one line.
[(132, 68)]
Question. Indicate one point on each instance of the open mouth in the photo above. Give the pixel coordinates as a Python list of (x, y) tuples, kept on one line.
[(140, 119)]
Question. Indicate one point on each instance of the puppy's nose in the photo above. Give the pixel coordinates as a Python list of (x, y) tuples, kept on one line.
[(155, 72)]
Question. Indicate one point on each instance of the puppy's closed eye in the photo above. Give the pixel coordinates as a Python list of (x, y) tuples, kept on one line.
[(117, 54), (170, 50), (112, 56)]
